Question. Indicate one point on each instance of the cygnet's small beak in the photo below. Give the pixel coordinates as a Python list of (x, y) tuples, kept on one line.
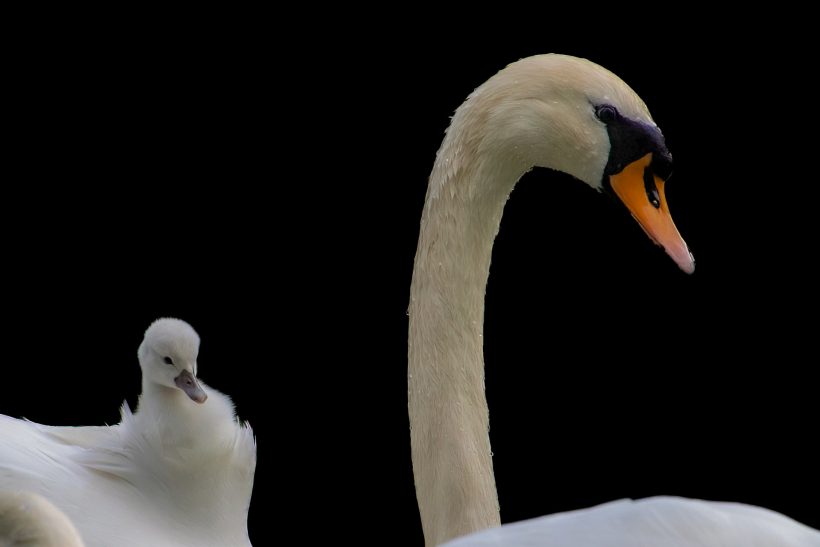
[(187, 383)]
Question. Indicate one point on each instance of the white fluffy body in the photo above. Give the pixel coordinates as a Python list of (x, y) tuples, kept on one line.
[(174, 473)]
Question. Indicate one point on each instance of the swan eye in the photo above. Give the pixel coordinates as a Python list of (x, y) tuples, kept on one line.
[(168, 360), (606, 113)]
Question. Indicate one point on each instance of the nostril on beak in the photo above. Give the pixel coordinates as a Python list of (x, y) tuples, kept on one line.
[(187, 383)]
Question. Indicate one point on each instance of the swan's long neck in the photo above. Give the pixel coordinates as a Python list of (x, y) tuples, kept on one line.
[(449, 424)]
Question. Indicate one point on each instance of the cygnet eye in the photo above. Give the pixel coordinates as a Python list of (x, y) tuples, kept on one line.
[(168, 360)]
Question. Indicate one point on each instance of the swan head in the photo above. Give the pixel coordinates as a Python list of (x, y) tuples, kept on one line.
[(168, 355), (572, 115)]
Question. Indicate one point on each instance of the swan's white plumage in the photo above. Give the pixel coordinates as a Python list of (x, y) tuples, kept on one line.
[(536, 112), (29, 520), (173, 473), (651, 522)]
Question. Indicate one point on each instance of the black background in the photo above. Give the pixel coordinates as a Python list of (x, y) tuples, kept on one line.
[(266, 186)]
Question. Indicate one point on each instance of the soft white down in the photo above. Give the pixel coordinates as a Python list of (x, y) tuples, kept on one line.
[(177, 472), (570, 115), (29, 520)]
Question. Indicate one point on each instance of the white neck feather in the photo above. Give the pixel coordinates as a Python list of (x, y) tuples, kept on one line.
[(201, 457), (176, 419), (448, 410)]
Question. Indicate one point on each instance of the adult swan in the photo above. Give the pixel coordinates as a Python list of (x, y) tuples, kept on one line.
[(570, 115)]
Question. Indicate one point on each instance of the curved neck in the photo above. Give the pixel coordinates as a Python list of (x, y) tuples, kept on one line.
[(449, 424)]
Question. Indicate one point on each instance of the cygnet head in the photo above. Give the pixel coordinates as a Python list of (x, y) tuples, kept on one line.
[(30, 520), (572, 115), (168, 355)]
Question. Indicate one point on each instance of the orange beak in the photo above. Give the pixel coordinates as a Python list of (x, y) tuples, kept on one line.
[(630, 185)]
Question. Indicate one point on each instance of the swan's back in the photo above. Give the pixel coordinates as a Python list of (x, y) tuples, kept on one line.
[(652, 522), (119, 482), (28, 520)]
